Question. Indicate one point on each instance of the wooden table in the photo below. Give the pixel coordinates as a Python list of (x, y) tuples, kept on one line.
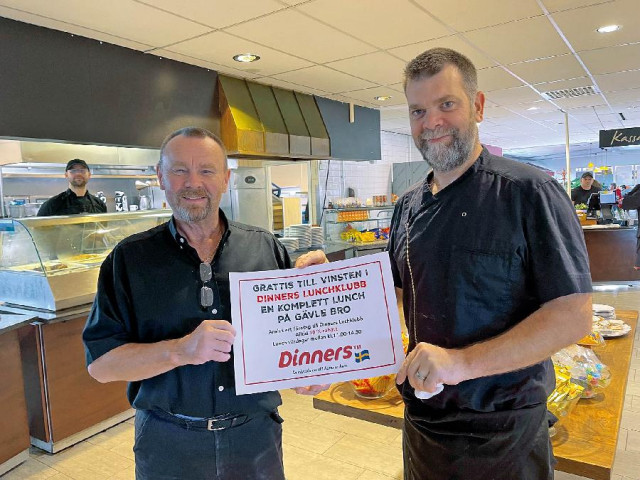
[(584, 445)]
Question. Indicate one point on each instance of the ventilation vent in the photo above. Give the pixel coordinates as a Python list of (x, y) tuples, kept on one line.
[(571, 92)]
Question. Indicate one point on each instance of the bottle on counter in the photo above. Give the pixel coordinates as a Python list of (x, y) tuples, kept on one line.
[(102, 197), (122, 205)]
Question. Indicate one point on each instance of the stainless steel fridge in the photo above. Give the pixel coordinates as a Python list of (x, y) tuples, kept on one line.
[(249, 197)]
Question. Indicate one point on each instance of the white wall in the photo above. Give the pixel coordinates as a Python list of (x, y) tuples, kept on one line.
[(368, 178)]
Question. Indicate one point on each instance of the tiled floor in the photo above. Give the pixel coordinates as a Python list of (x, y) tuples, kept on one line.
[(320, 445)]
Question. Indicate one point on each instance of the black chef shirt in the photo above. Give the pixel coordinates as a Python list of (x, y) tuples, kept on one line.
[(148, 291), (68, 203), (580, 195), (484, 253)]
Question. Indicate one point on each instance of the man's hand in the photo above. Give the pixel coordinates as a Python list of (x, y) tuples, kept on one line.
[(316, 257), (212, 340), (428, 365), (311, 389)]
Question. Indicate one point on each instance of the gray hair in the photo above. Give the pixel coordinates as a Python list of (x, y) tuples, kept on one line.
[(431, 62), (193, 132)]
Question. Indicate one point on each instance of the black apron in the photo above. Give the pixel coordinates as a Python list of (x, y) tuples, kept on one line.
[(506, 445)]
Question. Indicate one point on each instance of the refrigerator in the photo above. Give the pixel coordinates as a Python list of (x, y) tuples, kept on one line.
[(249, 197)]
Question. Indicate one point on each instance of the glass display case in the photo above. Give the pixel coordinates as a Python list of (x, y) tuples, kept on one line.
[(52, 263), (358, 225)]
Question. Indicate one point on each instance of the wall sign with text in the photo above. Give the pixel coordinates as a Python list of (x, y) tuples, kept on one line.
[(620, 137)]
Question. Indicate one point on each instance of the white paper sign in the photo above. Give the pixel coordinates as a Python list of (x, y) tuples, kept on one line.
[(321, 324)]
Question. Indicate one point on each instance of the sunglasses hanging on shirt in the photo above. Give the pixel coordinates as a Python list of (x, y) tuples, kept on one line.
[(206, 292)]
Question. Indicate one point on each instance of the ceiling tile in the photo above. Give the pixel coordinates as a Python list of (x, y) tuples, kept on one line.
[(381, 23), (394, 112), (493, 111), (290, 86), (463, 15), (533, 109), (120, 18), (299, 35), (202, 63), (454, 42), (559, 5), (563, 84), (513, 96), (369, 94), (612, 59), (496, 78), (613, 82), (70, 28), (579, 25), (220, 47), (624, 99), (576, 102), (398, 87), (376, 67), (548, 69), (218, 13), (534, 37), (325, 79)]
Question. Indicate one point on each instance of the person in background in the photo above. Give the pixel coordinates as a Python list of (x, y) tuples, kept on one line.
[(161, 321), (630, 201), (76, 199), (581, 193), (484, 311)]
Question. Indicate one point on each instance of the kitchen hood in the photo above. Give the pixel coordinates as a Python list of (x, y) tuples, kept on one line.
[(268, 122)]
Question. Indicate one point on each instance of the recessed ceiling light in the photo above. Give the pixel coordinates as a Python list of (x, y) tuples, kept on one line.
[(246, 57), (382, 98), (608, 28)]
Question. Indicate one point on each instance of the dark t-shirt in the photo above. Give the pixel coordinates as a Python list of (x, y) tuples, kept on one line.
[(580, 195), (68, 203), (148, 291), (476, 259)]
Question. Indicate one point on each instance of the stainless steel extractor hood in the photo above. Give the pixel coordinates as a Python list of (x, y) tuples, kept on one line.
[(268, 122)]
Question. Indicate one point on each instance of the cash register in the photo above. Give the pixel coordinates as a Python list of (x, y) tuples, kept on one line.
[(601, 204)]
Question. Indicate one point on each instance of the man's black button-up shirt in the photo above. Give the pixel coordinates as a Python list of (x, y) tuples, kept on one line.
[(68, 203), (148, 291), (477, 258)]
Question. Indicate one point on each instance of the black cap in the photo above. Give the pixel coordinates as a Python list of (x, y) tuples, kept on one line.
[(587, 174), (76, 161)]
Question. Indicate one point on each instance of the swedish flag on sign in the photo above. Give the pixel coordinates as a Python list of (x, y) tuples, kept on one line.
[(362, 356)]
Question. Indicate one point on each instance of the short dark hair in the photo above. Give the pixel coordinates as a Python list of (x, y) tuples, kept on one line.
[(432, 61), (196, 132)]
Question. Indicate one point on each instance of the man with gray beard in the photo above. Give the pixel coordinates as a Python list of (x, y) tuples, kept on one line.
[(492, 275), (161, 321)]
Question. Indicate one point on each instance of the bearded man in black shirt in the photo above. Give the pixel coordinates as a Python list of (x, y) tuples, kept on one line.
[(582, 192), (161, 320), (76, 199)]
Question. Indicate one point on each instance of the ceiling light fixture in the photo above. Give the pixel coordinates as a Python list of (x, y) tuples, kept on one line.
[(533, 108), (382, 98), (246, 57), (608, 29)]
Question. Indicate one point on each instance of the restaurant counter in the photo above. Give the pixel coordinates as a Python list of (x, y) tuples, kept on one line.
[(612, 252), (64, 404), (14, 428)]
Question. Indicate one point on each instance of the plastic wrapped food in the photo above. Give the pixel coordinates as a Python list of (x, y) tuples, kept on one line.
[(564, 397), (592, 339), (377, 387), (585, 368)]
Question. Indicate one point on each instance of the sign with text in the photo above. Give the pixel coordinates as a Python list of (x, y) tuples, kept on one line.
[(321, 324), (620, 137)]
